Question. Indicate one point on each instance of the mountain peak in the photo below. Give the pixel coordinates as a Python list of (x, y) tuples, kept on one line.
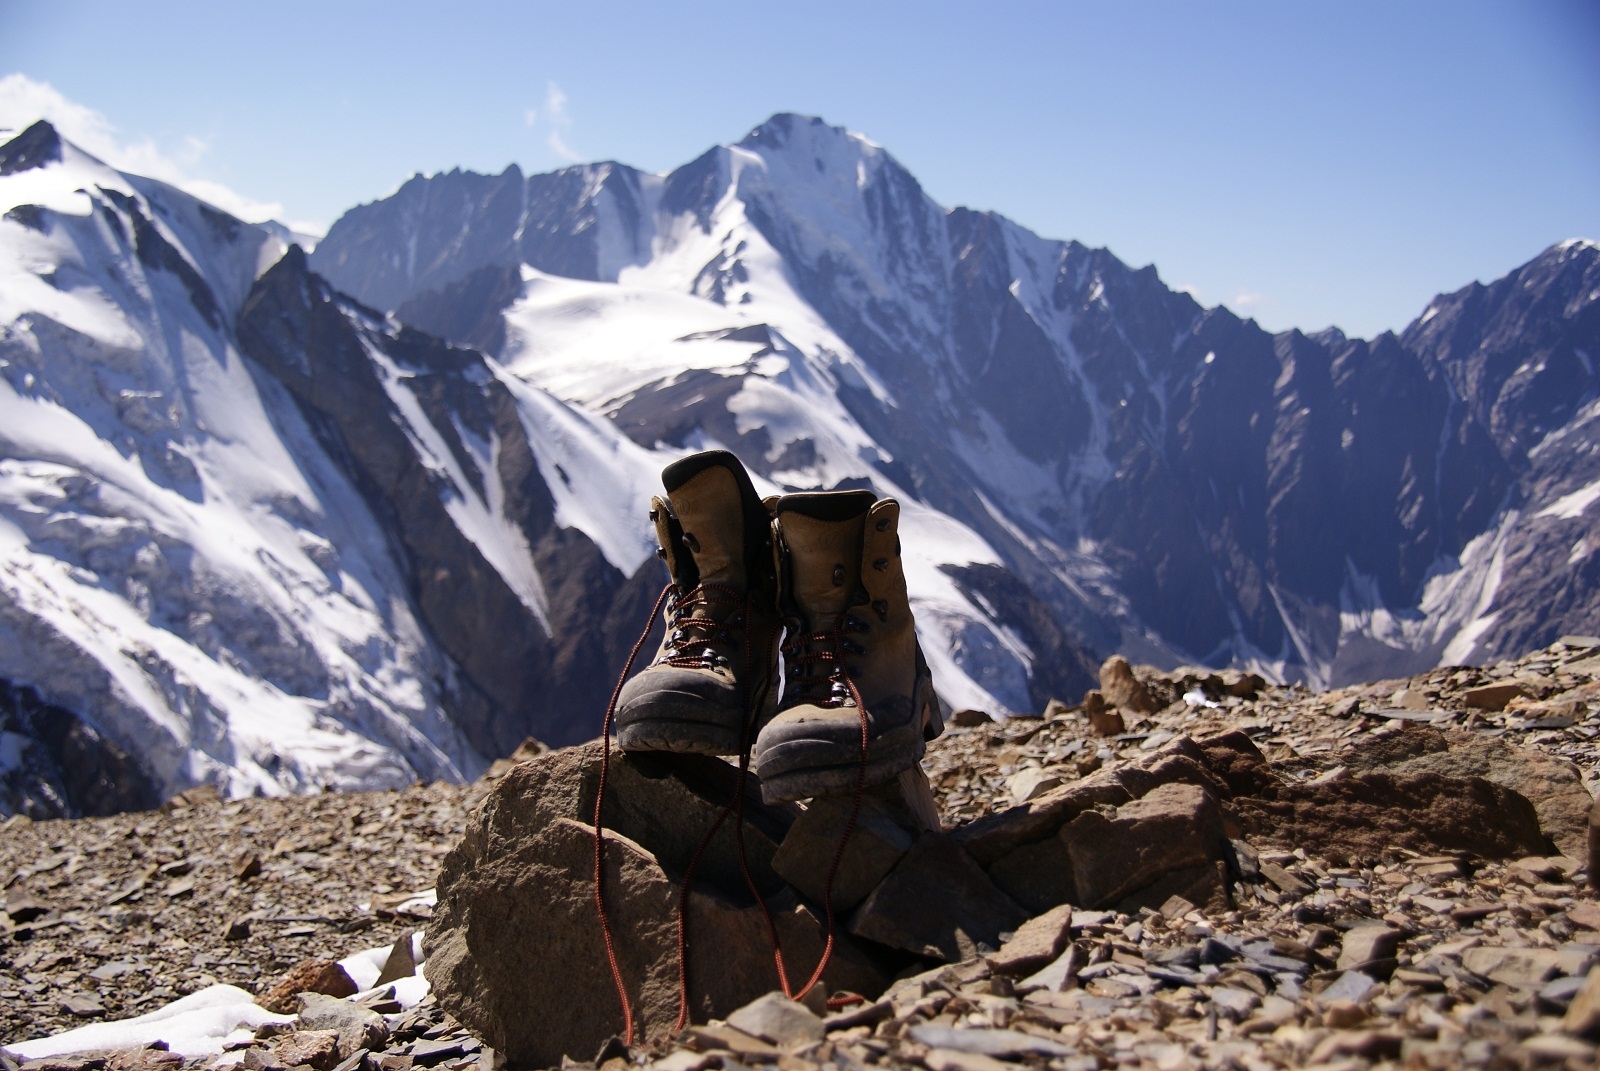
[(789, 131), (36, 146)]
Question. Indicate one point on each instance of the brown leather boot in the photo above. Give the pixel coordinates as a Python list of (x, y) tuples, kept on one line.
[(854, 676), (711, 681)]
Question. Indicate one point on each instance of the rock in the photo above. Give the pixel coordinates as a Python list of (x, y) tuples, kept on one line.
[(1038, 876), (308, 976), (1583, 1014), (1550, 783), (1365, 1044), (986, 1042), (1585, 913), (353, 1026), (1204, 886), (1530, 967), (1122, 689), (995, 835), (1353, 986), (937, 903), (968, 718), (313, 1048), (516, 932), (1026, 784), (1103, 720), (1493, 696), (246, 865), (1593, 855), (401, 962), (237, 930), (956, 1060), (1036, 943), (83, 1005), (1234, 758), (1361, 818), (1175, 827), (776, 1019), (876, 844), (1236, 1004), (1366, 946)]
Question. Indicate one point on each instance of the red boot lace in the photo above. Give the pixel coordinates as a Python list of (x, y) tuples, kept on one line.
[(684, 654)]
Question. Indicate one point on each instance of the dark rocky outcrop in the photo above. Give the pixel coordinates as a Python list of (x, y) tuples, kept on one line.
[(63, 766)]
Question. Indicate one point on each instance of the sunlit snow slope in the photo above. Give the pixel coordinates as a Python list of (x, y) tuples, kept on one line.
[(1129, 471)]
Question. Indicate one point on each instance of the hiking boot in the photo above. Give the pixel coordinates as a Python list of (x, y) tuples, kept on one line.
[(854, 676), (712, 677)]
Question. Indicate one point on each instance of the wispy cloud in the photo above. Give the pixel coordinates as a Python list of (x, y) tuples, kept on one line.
[(560, 123), (24, 101), (1249, 299)]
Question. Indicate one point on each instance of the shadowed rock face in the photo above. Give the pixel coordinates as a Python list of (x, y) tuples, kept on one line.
[(520, 673), (64, 767), (1239, 490)]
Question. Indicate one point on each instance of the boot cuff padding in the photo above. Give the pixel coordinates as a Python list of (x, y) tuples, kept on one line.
[(827, 505)]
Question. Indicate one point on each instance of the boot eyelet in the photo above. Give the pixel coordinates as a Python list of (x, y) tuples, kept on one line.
[(838, 576), (656, 515), (853, 647), (881, 564), (883, 524), (881, 608), (691, 542), (661, 552)]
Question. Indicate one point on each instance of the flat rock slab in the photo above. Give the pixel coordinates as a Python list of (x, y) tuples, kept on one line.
[(937, 903), (1175, 827)]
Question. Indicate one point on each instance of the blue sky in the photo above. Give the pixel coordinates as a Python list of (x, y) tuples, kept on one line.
[(1306, 163)]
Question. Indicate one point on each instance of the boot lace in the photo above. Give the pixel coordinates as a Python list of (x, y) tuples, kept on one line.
[(684, 650), (815, 665), (696, 639)]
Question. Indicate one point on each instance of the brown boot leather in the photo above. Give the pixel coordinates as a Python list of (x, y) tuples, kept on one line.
[(851, 644), (711, 681)]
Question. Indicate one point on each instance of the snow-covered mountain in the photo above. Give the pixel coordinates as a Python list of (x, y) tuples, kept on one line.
[(261, 533), (1155, 477), (258, 534)]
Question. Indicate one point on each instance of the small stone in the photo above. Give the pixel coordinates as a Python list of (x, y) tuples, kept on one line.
[(1024, 785), (1036, 943), (776, 1019), (246, 865), (937, 903), (968, 718), (986, 1042), (1530, 967), (316, 1048), (1057, 975), (308, 976), (1583, 1014), (1353, 986), (1366, 945), (1287, 883), (1122, 689), (354, 1027), (1176, 827), (1367, 1044), (956, 1060), (83, 1005), (1586, 913), (1343, 1014), (1557, 1047), (1493, 696), (400, 963), (237, 930), (1235, 1004)]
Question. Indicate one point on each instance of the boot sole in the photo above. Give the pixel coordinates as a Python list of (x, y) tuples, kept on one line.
[(683, 737), (809, 782)]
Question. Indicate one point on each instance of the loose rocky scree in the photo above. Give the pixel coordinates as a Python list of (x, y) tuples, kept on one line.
[(1187, 869)]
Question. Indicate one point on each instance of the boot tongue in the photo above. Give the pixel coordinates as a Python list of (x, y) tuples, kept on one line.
[(711, 514), (825, 550)]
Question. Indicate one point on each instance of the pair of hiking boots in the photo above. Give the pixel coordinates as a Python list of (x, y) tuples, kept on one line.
[(788, 636)]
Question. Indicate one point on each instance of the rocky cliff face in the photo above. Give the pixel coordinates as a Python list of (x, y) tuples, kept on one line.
[(1165, 478)]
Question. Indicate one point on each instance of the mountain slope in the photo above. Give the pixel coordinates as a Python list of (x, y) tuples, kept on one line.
[(1164, 479)]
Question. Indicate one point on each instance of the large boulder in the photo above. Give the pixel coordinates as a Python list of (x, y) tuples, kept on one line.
[(1550, 783), (516, 933), (1362, 818)]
